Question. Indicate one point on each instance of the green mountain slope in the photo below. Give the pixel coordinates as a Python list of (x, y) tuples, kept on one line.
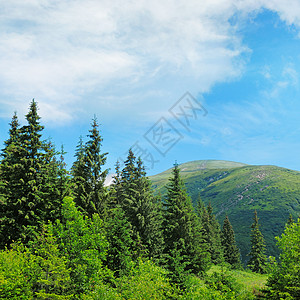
[(237, 190)]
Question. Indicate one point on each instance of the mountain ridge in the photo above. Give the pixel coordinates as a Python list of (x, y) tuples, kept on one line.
[(237, 190)]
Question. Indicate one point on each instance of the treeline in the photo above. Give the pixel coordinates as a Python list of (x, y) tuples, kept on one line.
[(66, 235)]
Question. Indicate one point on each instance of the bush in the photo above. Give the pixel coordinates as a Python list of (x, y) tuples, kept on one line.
[(14, 281), (284, 281), (146, 281)]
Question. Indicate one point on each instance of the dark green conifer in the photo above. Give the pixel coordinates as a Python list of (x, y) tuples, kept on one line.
[(119, 236), (231, 251), (257, 261), (182, 232), (216, 250), (136, 198), (29, 171), (88, 174)]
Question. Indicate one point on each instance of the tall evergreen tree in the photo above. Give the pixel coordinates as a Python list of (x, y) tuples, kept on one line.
[(211, 233), (135, 196), (231, 251), (29, 171), (119, 236), (183, 240), (10, 171), (115, 193), (257, 262), (88, 174), (216, 250)]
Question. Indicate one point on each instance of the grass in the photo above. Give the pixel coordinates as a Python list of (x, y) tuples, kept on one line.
[(250, 281)]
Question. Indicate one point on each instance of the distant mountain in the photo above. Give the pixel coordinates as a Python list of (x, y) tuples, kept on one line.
[(237, 190)]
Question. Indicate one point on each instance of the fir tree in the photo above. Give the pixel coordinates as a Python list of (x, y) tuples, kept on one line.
[(211, 233), (89, 176), (52, 276), (29, 173), (215, 246), (182, 234), (231, 251), (135, 196), (257, 262), (119, 236), (115, 194)]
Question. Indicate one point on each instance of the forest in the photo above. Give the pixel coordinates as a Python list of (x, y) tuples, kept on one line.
[(65, 235)]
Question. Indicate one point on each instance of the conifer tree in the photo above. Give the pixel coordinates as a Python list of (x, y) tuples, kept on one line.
[(257, 261), (119, 236), (29, 171), (135, 197), (10, 171), (52, 275), (183, 240), (115, 192), (211, 233), (215, 247), (200, 206), (88, 174), (231, 251)]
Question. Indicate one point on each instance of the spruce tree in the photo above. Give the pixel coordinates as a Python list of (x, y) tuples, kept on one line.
[(88, 174), (120, 238), (216, 249), (257, 261), (135, 197), (231, 251), (115, 192), (11, 171), (211, 233), (29, 171), (182, 234)]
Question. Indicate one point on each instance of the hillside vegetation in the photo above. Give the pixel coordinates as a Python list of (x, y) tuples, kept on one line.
[(236, 190), (66, 235)]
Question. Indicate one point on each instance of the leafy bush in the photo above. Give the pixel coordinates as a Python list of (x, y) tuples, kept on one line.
[(83, 242), (14, 281), (284, 281), (146, 281)]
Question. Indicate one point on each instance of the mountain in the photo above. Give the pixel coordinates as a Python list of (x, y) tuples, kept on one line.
[(236, 190)]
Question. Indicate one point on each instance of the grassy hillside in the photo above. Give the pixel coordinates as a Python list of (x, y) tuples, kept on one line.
[(237, 190)]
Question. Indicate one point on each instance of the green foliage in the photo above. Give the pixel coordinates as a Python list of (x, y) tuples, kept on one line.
[(132, 191), (36, 272), (237, 190), (146, 281), (52, 276), (88, 174), (284, 281), (119, 236), (211, 233), (220, 283), (231, 251), (14, 270), (184, 246), (83, 242), (31, 177), (257, 261)]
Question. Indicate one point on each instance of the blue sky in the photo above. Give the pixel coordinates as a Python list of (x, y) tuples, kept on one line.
[(130, 64)]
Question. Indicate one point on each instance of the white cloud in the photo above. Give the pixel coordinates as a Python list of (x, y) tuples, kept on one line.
[(61, 51)]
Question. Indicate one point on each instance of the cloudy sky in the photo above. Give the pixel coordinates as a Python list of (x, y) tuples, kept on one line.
[(131, 63)]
